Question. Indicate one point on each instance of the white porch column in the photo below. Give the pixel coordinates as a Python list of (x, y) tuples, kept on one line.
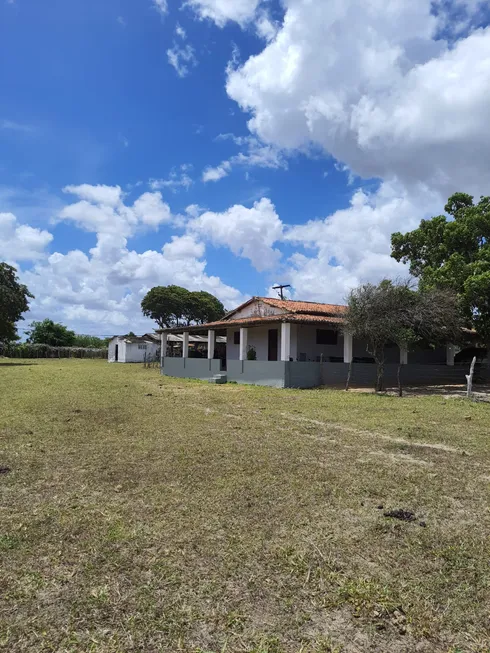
[(285, 341), (211, 343), (403, 356), (348, 347), (185, 344), (163, 347), (243, 343), (450, 353)]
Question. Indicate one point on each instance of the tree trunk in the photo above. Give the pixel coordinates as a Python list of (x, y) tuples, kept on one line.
[(399, 380), (469, 379), (349, 374), (380, 372)]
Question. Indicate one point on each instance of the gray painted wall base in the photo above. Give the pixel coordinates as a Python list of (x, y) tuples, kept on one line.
[(278, 374), (310, 375), (271, 373), (191, 368)]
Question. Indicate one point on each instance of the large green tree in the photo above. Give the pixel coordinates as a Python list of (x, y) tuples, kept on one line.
[(51, 333), (454, 252), (14, 301), (176, 306), (204, 307)]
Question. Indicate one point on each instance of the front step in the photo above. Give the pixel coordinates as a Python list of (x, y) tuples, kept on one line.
[(219, 379)]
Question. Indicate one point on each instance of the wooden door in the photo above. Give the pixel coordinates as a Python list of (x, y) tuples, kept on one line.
[(273, 344)]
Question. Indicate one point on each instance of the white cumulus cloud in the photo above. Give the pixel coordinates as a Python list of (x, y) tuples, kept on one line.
[(249, 233), (100, 291), (222, 11), (374, 85), (20, 242)]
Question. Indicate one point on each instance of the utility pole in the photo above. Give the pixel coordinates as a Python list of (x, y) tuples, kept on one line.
[(281, 290)]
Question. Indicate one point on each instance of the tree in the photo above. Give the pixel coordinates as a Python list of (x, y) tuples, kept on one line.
[(51, 333), (204, 307), (392, 312), (14, 300), (166, 305), (454, 253), (90, 342), (175, 306)]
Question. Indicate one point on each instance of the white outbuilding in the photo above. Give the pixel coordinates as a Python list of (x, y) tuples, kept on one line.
[(134, 349)]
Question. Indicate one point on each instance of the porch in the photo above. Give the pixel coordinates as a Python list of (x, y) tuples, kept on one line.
[(287, 354)]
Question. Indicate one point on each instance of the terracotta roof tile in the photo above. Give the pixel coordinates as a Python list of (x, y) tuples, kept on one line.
[(302, 318), (304, 307)]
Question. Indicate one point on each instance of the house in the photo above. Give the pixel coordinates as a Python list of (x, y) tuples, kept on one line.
[(285, 343), (133, 349)]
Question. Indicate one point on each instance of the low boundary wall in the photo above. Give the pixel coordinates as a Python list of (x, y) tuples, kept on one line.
[(191, 368), (271, 373), (279, 374), (310, 375)]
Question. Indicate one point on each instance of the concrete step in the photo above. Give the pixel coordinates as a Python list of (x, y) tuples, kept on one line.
[(219, 379)]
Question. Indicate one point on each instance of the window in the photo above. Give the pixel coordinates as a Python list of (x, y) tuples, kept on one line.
[(141, 346), (236, 338), (326, 337)]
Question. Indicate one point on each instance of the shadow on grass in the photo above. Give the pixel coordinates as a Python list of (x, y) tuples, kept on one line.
[(16, 364)]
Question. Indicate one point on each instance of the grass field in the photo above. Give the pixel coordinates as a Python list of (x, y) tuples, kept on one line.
[(141, 513)]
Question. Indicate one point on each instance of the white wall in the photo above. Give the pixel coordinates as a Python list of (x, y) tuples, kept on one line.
[(136, 355), (129, 352), (257, 309), (111, 355), (258, 337)]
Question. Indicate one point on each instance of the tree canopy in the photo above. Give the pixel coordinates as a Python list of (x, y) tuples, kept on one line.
[(14, 301), (51, 333), (90, 342), (392, 312), (454, 253), (176, 306)]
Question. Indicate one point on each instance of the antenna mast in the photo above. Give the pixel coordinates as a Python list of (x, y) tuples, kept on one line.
[(281, 289)]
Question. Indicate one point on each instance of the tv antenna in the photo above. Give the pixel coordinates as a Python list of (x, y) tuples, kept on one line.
[(281, 289)]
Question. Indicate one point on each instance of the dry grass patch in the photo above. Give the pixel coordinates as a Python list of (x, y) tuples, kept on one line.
[(147, 514)]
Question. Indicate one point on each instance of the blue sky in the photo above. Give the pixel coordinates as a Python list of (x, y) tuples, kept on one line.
[(246, 142)]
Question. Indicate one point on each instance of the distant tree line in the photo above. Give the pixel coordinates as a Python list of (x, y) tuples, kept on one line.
[(54, 334)]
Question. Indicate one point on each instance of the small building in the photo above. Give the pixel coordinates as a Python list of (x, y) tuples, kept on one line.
[(285, 343), (134, 349), (138, 349)]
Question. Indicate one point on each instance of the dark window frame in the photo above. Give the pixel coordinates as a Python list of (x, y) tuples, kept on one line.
[(327, 337), (236, 337)]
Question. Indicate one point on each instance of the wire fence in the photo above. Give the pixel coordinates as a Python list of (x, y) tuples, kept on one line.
[(26, 350)]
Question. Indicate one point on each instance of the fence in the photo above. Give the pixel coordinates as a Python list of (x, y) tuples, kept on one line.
[(152, 360), (25, 350)]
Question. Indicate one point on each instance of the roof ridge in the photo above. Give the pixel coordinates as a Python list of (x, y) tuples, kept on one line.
[(298, 301)]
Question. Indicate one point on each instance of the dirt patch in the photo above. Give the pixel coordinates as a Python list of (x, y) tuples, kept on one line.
[(399, 513)]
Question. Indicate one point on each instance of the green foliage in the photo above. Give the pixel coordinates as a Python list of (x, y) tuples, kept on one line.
[(51, 333), (394, 312), (91, 342), (29, 350), (204, 307), (174, 306), (454, 253), (14, 298), (251, 353)]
